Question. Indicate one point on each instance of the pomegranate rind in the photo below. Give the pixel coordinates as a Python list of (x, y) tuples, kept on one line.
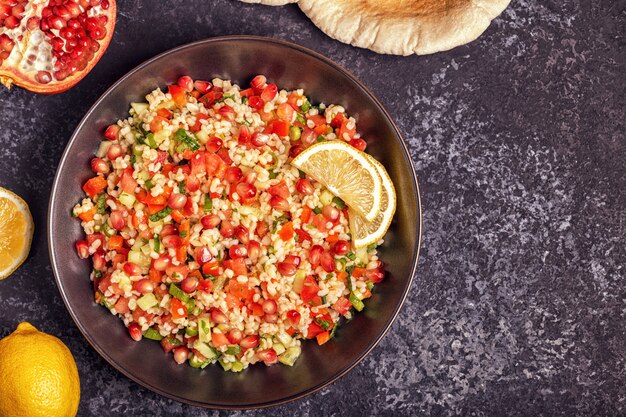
[(10, 76)]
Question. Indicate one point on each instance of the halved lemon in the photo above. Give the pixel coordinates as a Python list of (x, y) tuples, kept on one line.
[(365, 233), (347, 173), (16, 232)]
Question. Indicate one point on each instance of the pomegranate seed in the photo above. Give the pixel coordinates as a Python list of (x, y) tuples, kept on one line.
[(181, 354), (254, 249), (61, 11), (144, 286), (258, 83), (238, 251), (82, 248), (104, 4), (315, 254), (218, 317), (169, 229), (279, 203), (171, 241), (233, 174), (33, 23), (269, 306), (67, 33), (44, 25), (74, 10), (57, 43), (250, 177), (177, 201), (227, 112), (287, 269), (375, 275), (255, 102), (234, 336), (262, 228), (5, 11), (114, 152), (99, 261), (341, 247), (135, 332), (203, 255), (210, 221), (295, 150), (132, 269), (270, 318), (249, 342), (11, 22), (55, 22), (116, 219), (43, 77), (294, 317), (6, 43), (245, 191), (327, 260), (308, 137), (259, 139), (98, 34), (99, 166), (214, 144), (226, 229), (304, 186), (242, 234), (161, 263), (285, 112), (202, 86), (293, 259), (192, 183), (189, 284), (330, 213), (269, 92), (359, 144), (268, 356), (186, 83)]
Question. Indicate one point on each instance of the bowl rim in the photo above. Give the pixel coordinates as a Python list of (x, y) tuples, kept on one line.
[(64, 159)]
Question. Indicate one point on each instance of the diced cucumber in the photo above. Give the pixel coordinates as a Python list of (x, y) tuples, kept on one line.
[(178, 293), (284, 338), (152, 334), (289, 357), (206, 350), (139, 107), (249, 210), (202, 136), (139, 258), (147, 301), (127, 199), (103, 148), (204, 330), (146, 249), (298, 281), (326, 197), (237, 366), (278, 348), (361, 255), (233, 350), (191, 331), (161, 135), (356, 301), (226, 365)]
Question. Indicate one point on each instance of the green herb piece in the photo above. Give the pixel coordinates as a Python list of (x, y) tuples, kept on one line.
[(151, 142), (306, 106), (133, 159), (183, 234), (339, 203), (351, 256), (320, 138), (97, 274), (208, 203), (349, 269), (186, 139), (224, 98), (328, 276), (301, 174), (278, 221), (369, 285), (101, 202), (324, 299), (178, 293), (371, 247), (157, 243), (244, 100), (160, 215), (356, 302), (300, 118), (233, 350), (148, 184), (349, 279), (152, 334), (245, 122), (273, 174), (324, 324), (332, 332), (181, 187), (317, 210)]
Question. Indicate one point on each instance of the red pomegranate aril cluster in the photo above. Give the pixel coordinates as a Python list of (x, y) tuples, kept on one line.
[(12, 13)]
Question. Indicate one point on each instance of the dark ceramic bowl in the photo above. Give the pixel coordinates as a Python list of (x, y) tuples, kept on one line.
[(239, 59)]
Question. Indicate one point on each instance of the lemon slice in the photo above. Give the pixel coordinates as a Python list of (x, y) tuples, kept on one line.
[(347, 173), (365, 233), (16, 232)]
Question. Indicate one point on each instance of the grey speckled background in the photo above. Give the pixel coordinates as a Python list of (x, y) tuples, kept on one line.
[(518, 307)]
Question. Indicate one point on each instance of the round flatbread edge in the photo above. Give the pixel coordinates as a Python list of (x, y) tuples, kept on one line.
[(270, 2), (394, 30)]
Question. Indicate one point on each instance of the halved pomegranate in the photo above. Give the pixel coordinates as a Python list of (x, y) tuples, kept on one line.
[(48, 46)]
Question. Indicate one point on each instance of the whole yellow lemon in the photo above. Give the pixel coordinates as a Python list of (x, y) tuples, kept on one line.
[(39, 375)]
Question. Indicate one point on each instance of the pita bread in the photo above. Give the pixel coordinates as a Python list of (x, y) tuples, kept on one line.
[(403, 27), (270, 2)]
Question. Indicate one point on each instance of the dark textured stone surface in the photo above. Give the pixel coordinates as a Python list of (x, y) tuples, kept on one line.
[(518, 140)]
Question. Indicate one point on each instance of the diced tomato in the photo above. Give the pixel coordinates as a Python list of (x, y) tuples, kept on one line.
[(281, 189), (309, 291), (342, 305), (158, 123), (95, 186), (87, 216), (178, 95), (214, 165), (127, 182), (313, 330), (281, 128), (305, 216), (245, 134), (256, 102), (169, 343), (239, 290), (177, 272), (286, 232), (338, 120), (121, 306), (211, 268), (178, 309), (227, 112), (118, 260), (238, 266), (205, 285), (320, 222), (317, 119), (323, 337), (115, 242), (92, 237), (138, 313), (198, 125), (303, 236), (358, 272), (165, 113), (232, 301), (344, 133), (246, 93), (219, 339), (181, 253), (321, 129), (332, 238), (211, 97), (155, 276), (256, 309), (292, 331), (342, 275), (223, 153)]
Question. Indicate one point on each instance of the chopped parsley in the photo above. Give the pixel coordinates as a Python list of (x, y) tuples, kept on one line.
[(324, 324), (208, 203), (306, 106), (317, 210), (351, 256), (148, 184), (183, 234), (300, 118), (101, 203), (321, 138), (160, 215), (181, 187), (273, 174), (186, 139), (371, 247), (151, 142), (278, 221), (339, 203)]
